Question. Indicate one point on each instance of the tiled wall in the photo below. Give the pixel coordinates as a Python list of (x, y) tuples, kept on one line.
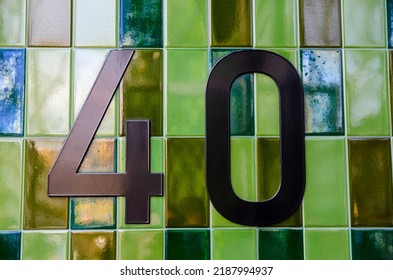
[(51, 52)]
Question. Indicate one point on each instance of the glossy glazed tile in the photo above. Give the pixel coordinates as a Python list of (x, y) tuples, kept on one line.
[(389, 6), (141, 245), (325, 198), (226, 244), (93, 245), (367, 93), (187, 28), (186, 200), (12, 22), (187, 73), (41, 211), (45, 246), (364, 23), (141, 23), (275, 23), (9, 245), (370, 182), (327, 244), (231, 23), (12, 91), (372, 244), (95, 23), (323, 94), (320, 23), (280, 244), (142, 92), (10, 184), (50, 23), (187, 245), (48, 92)]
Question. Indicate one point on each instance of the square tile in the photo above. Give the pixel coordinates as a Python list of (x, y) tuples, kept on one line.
[(10, 245), (93, 245), (187, 245), (280, 244), (372, 244), (327, 244), (45, 246), (234, 244), (141, 245)]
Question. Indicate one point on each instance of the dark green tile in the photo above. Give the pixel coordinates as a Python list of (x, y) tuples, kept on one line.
[(370, 181), (281, 244), (237, 244), (141, 245), (10, 245), (372, 244), (187, 245), (93, 245)]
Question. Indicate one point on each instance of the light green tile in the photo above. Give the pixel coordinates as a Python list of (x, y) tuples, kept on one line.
[(12, 22), (141, 245), (234, 244), (327, 244), (45, 246)]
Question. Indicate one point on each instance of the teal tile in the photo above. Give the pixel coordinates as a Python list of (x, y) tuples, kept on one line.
[(226, 244), (10, 245), (281, 244), (390, 22), (45, 246), (372, 244), (141, 245), (187, 245)]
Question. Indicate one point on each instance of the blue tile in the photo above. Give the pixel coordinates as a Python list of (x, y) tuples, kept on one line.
[(10, 246)]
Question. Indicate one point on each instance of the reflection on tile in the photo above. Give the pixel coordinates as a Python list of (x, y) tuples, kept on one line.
[(50, 23), (10, 184), (327, 244), (141, 245), (226, 244), (186, 200), (40, 210), (231, 23), (372, 244), (45, 246), (189, 27), (12, 18), (48, 91), (320, 23), (187, 245), (370, 181), (9, 245), (390, 22), (281, 244), (141, 23), (93, 245), (322, 78), (141, 96)]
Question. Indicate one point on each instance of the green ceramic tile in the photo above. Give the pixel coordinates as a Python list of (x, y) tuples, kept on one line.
[(189, 27), (327, 244), (187, 73), (41, 211), (141, 245), (364, 23), (93, 245), (275, 23), (48, 91), (325, 198), (87, 64), (187, 245), (370, 182), (45, 246), (186, 200), (366, 92), (10, 184), (372, 244), (50, 23), (231, 23), (10, 245), (281, 244), (320, 23), (226, 244), (95, 23), (142, 90), (12, 22)]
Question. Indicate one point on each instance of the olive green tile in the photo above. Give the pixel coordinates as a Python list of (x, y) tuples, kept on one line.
[(141, 245), (10, 184), (364, 23), (187, 245), (231, 23), (48, 91), (237, 244), (142, 93), (50, 23), (187, 28), (93, 245), (370, 182), (372, 244), (10, 245), (12, 22), (186, 200), (320, 23), (281, 244), (45, 246), (366, 92), (327, 244), (187, 72), (41, 211), (325, 198), (275, 23)]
